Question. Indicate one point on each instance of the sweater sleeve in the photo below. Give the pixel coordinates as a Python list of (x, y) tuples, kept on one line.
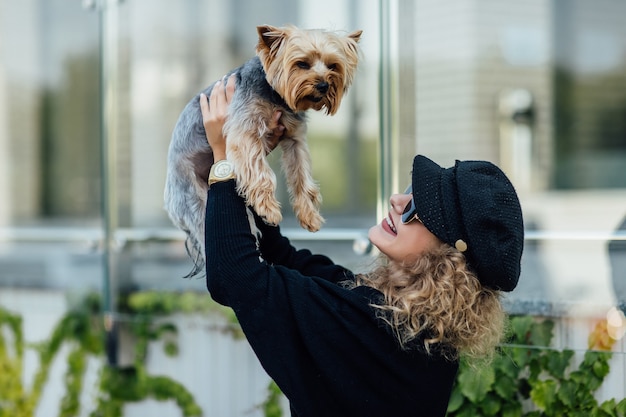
[(234, 264), (232, 260), (277, 249)]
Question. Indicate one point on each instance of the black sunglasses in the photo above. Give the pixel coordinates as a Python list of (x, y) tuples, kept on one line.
[(410, 212)]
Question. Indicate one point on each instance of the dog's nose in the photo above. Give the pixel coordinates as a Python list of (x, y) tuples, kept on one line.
[(322, 87)]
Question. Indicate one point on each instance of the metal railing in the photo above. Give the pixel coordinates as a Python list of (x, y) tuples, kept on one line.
[(93, 234)]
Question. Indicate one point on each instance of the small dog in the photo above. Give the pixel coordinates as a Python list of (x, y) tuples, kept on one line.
[(294, 70)]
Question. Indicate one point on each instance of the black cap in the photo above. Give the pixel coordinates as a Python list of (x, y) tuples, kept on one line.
[(473, 207)]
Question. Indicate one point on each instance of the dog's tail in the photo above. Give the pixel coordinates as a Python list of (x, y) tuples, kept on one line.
[(189, 219), (194, 251)]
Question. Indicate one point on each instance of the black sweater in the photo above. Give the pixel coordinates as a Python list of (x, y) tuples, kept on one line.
[(321, 343)]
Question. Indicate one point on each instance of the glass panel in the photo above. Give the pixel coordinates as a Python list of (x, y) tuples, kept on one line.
[(89, 94), (538, 88), (590, 104), (165, 54), (50, 195), (49, 146)]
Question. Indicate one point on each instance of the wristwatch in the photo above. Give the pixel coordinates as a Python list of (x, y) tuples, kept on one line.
[(221, 171)]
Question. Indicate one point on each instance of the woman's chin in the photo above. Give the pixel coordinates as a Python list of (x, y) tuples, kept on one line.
[(378, 236)]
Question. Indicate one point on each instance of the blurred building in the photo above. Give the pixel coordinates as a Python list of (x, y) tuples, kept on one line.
[(90, 91)]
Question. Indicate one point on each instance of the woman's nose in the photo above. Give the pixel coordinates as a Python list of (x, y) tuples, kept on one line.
[(399, 201)]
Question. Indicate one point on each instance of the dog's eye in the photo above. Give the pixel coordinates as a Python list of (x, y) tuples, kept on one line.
[(303, 65), (332, 67)]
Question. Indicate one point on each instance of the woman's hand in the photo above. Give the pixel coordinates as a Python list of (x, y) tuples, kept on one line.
[(214, 115), (277, 130), (215, 112)]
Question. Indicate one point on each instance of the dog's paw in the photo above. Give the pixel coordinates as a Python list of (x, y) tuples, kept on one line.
[(311, 221), (306, 206), (269, 210)]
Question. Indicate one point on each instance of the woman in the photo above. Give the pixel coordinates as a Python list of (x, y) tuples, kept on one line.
[(386, 343)]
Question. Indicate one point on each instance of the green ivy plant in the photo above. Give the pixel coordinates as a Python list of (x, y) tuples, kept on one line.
[(76, 330), (81, 329), (525, 371), (271, 406), (14, 400)]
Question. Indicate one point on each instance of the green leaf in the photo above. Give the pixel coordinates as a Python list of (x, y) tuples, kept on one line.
[(271, 406), (557, 362), (506, 388), (470, 411), (535, 367), (490, 405), (602, 413), (609, 407), (520, 327), (600, 369), (567, 393), (475, 385), (456, 399), (170, 348), (585, 399), (579, 377), (541, 333), (167, 328), (512, 409), (592, 357), (621, 408), (507, 366), (520, 356), (543, 394)]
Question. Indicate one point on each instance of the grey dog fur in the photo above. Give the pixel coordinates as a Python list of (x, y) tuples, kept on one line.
[(190, 157)]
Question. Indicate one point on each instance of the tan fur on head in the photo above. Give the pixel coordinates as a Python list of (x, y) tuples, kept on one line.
[(310, 69)]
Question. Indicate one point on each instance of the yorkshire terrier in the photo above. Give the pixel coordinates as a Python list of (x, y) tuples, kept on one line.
[(294, 70)]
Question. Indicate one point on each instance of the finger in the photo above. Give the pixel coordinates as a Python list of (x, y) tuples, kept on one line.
[(204, 107), (276, 134), (274, 121), (276, 117), (215, 94), (230, 87), (220, 95), (279, 128)]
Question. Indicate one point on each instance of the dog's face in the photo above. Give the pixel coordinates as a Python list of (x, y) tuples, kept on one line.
[(310, 69)]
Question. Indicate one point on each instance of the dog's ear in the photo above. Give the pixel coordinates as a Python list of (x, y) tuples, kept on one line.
[(352, 40), (270, 38), (356, 35)]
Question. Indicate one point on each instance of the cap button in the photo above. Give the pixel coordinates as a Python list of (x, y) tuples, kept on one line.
[(460, 245)]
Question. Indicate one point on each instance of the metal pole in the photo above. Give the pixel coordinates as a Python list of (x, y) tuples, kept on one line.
[(107, 11), (385, 110)]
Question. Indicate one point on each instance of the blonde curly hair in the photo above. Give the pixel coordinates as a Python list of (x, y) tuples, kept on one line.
[(440, 301)]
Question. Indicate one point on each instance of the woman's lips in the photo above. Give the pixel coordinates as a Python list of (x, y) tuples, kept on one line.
[(388, 226)]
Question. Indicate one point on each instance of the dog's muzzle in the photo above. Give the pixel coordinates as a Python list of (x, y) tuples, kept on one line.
[(322, 87)]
